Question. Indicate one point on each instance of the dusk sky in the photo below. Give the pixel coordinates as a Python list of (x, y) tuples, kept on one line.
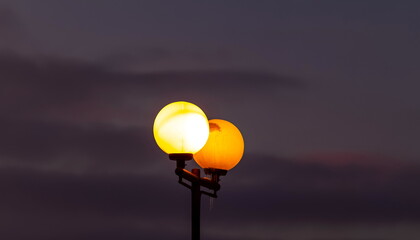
[(325, 93)]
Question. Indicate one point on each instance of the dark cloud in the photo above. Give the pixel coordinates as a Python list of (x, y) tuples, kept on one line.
[(155, 55), (318, 191), (71, 89), (52, 205), (59, 204), (10, 26), (75, 148), (14, 37)]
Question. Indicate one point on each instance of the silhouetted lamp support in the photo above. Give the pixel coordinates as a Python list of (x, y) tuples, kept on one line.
[(181, 130)]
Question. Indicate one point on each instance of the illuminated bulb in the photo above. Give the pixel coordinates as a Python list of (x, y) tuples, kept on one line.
[(181, 127), (224, 148)]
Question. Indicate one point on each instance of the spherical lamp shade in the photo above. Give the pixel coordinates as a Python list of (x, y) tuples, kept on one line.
[(181, 127), (224, 148)]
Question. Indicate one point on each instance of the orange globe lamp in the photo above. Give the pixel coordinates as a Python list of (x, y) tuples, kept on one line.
[(181, 129), (224, 148)]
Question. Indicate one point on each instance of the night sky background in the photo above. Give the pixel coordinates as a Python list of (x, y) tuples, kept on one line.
[(326, 94)]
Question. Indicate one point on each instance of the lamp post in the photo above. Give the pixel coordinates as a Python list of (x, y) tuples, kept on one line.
[(181, 130)]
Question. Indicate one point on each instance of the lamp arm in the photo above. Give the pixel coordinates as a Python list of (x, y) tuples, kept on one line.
[(209, 183)]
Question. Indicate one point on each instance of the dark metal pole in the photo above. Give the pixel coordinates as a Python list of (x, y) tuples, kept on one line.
[(195, 206)]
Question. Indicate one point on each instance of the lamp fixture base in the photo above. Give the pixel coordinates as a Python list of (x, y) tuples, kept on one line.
[(211, 171), (181, 156), (215, 173)]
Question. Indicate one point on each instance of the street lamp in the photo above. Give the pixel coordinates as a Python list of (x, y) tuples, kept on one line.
[(224, 148), (181, 130)]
